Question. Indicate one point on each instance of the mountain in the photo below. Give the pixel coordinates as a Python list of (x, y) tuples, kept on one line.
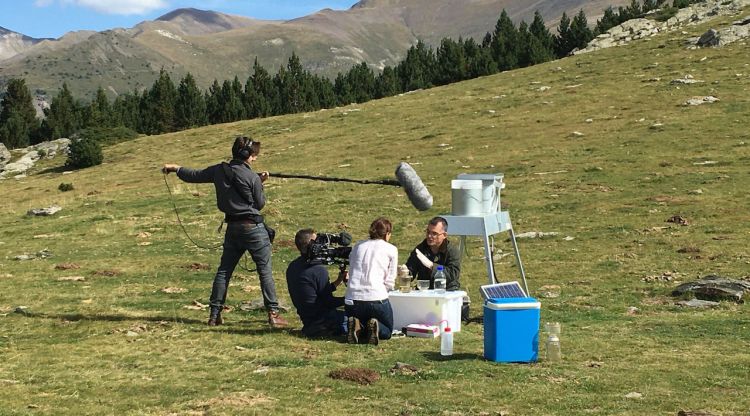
[(200, 22), (220, 46), (12, 43)]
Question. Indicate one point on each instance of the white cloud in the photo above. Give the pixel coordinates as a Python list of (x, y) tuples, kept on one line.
[(125, 7)]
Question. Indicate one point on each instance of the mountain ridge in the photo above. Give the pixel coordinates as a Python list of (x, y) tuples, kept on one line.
[(218, 46)]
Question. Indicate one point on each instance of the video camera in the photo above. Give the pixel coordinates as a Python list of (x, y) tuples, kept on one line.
[(324, 250)]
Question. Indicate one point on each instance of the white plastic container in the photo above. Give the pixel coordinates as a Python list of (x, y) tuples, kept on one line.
[(428, 308), (466, 197), (492, 184)]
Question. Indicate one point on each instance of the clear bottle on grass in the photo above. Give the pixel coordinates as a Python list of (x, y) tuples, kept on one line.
[(446, 342)]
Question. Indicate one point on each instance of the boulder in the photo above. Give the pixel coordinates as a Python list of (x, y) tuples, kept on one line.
[(714, 288), (4, 156), (44, 212), (710, 38)]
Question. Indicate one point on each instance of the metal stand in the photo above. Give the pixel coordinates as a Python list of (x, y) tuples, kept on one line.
[(485, 227)]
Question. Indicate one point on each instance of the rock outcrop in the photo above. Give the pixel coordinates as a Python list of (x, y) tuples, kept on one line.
[(30, 155), (697, 13)]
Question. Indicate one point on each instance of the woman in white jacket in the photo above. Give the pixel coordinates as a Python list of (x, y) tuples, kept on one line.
[(372, 273)]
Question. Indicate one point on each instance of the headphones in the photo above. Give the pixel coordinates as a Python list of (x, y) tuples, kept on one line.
[(245, 151)]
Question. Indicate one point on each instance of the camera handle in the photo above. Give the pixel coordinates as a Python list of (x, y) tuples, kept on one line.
[(342, 268)]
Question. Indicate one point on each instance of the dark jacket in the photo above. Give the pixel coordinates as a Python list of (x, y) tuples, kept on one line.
[(311, 293), (243, 199), (448, 255)]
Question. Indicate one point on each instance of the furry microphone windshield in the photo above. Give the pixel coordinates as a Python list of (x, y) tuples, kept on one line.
[(416, 191)]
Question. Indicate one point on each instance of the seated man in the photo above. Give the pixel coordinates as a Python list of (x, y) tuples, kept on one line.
[(436, 249), (312, 293)]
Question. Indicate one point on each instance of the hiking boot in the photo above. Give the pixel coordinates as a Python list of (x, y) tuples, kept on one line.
[(354, 330), (372, 332), (214, 317), (276, 320)]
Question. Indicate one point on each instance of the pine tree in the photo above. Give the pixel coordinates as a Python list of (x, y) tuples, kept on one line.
[(159, 103), (230, 103), (289, 83), (190, 106), (544, 49), (608, 21), (260, 93), (213, 103), (524, 45), (649, 5), (343, 90), (417, 69), (451, 62), (581, 35), (126, 111), (361, 81), (563, 38), (99, 111), (324, 91), (62, 117), (386, 83), (479, 59), (505, 43), (17, 115)]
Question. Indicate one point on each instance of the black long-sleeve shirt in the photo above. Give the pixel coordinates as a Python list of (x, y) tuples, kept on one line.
[(448, 256), (311, 293), (242, 199)]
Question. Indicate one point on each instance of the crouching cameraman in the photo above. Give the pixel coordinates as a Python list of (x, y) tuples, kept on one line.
[(312, 292)]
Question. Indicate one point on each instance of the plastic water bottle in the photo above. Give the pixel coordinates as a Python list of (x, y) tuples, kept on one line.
[(554, 354), (446, 342), (440, 281)]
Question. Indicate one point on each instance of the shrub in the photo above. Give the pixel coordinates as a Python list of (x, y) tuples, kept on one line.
[(84, 153), (665, 14), (65, 187)]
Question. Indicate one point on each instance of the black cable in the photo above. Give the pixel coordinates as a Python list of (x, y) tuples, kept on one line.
[(179, 220), (184, 230)]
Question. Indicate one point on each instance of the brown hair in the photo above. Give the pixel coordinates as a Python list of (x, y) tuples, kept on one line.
[(379, 228), (245, 147), (439, 220), (302, 239)]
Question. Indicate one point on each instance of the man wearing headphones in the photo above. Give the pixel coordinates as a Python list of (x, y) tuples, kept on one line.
[(239, 195)]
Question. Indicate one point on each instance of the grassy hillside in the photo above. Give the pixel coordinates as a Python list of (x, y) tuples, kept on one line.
[(112, 340)]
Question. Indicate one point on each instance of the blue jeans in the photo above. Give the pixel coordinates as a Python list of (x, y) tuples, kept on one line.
[(364, 310), (238, 239), (332, 323)]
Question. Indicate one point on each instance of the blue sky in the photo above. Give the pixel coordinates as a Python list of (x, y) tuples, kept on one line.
[(53, 18)]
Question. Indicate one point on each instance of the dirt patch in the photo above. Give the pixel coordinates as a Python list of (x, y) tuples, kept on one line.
[(197, 266), (237, 400), (106, 273), (677, 219), (362, 376), (689, 250), (665, 199)]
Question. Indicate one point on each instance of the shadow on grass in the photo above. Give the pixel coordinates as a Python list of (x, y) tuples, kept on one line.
[(435, 356), (110, 318), (55, 169)]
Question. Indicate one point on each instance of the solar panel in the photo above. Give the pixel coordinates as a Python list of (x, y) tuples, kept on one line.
[(502, 290)]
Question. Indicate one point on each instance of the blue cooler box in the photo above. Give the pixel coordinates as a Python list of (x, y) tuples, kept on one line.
[(511, 330)]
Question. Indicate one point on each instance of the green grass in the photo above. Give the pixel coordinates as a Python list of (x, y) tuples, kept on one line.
[(115, 343)]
